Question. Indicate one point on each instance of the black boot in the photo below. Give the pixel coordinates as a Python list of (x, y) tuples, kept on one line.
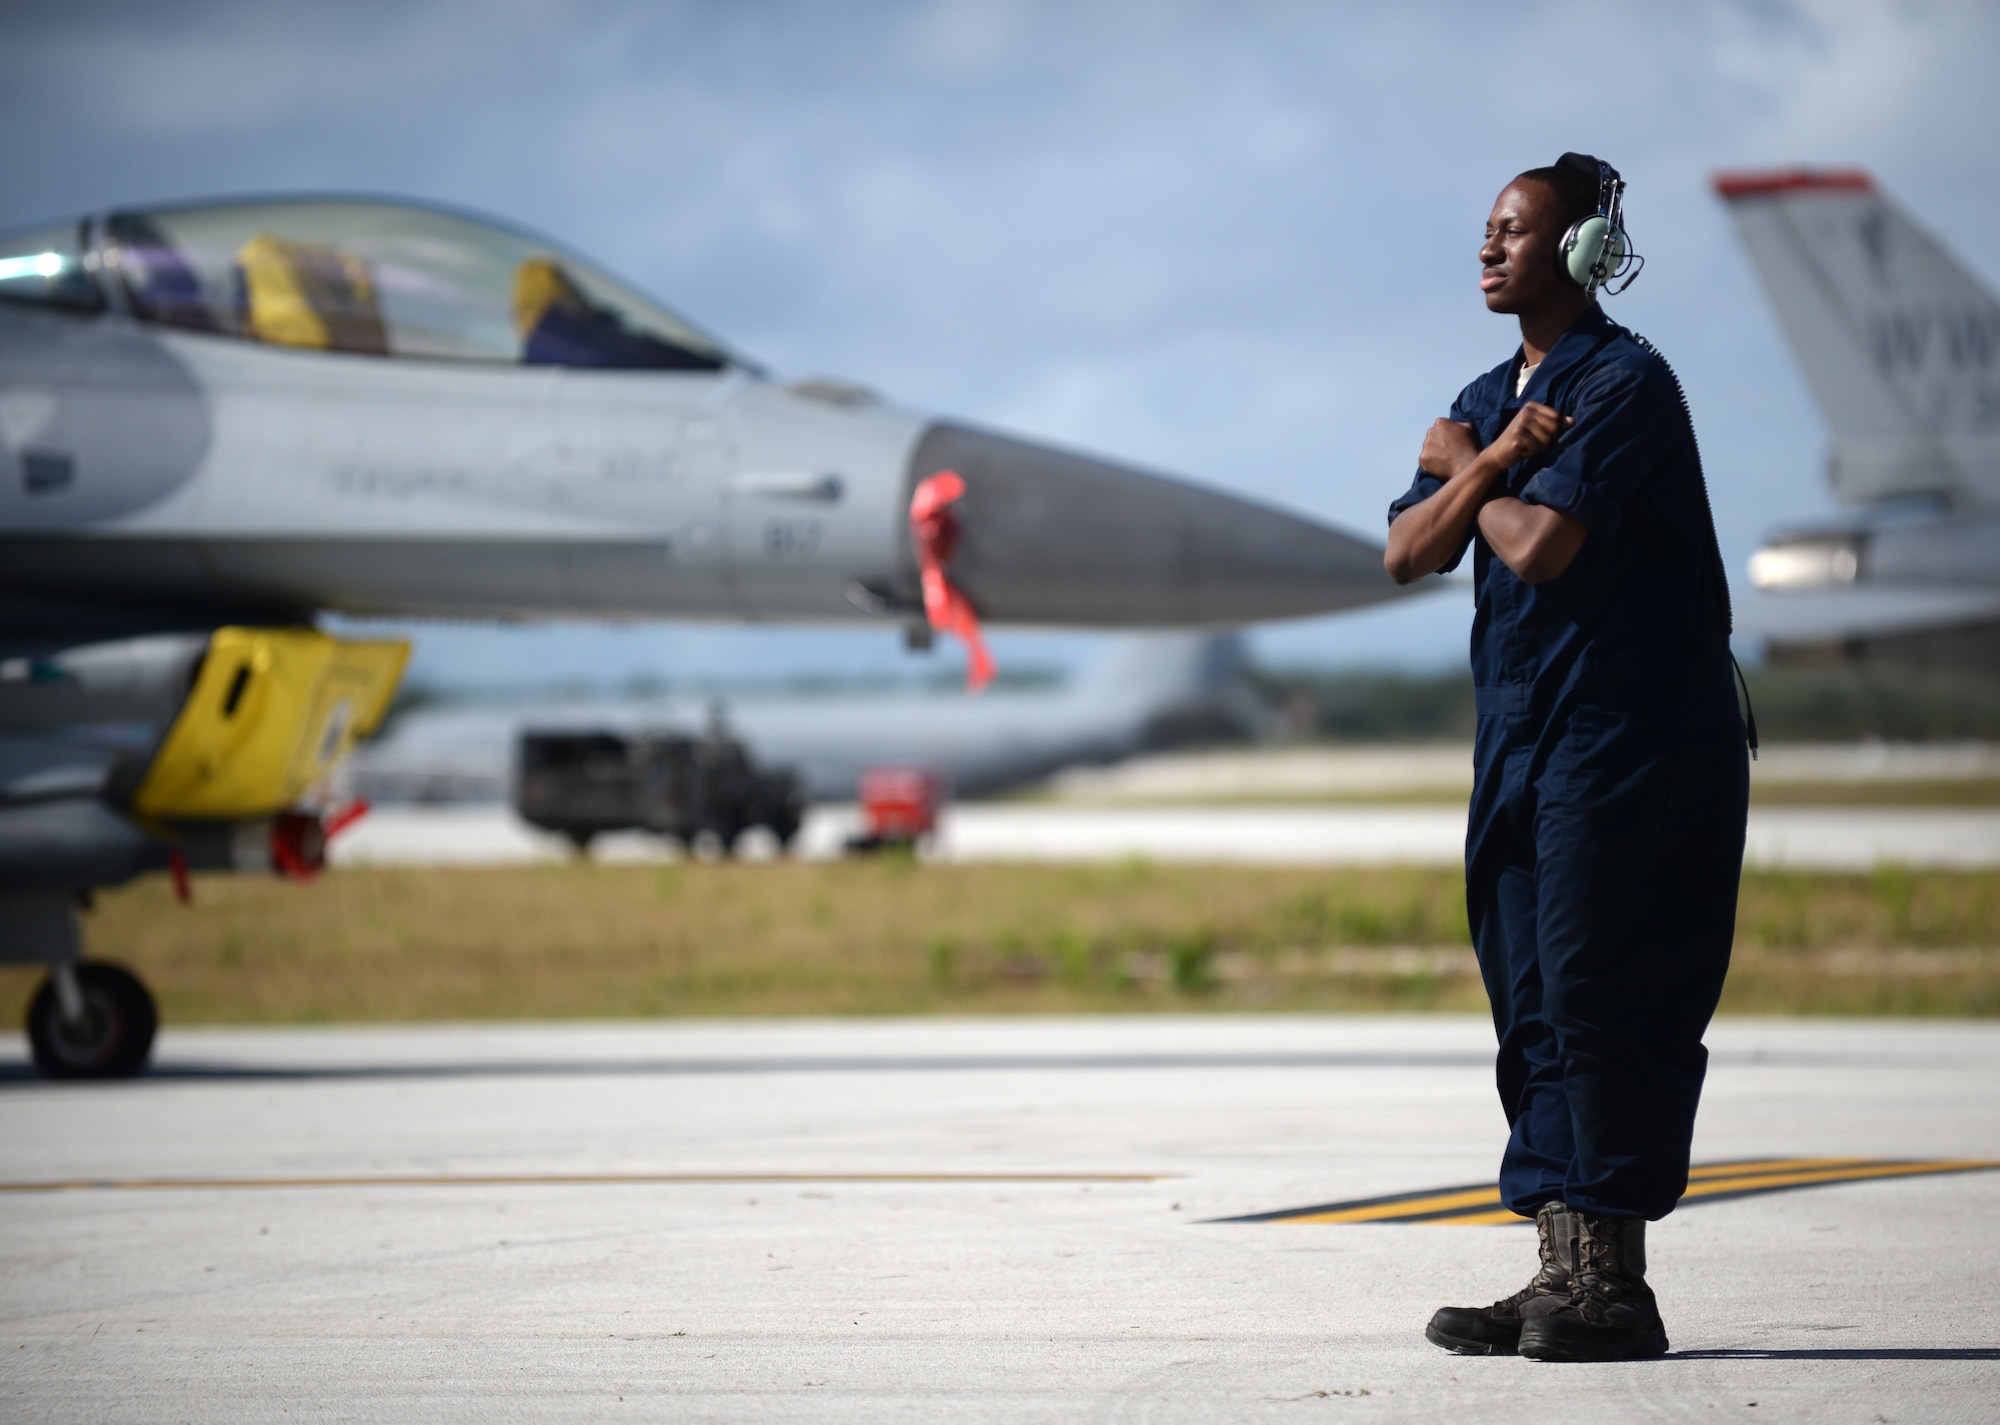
[(1610, 1314), (1495, 1330)]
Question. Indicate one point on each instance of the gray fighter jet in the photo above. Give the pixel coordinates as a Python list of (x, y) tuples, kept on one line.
[(1901, 346), (219, 420)]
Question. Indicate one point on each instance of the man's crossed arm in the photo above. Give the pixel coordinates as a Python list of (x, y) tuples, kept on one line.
[(1536, 542)]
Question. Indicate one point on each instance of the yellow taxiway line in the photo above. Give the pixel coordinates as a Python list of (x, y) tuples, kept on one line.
[(1480, 1206)]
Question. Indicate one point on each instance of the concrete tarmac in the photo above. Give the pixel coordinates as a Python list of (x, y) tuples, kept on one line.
[(996, 1220)]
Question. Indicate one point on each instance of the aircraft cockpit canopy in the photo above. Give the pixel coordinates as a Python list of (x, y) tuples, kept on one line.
[(378, 279), (46, 265)]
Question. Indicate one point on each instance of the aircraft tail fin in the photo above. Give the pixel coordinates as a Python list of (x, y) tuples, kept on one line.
[(1899, 341)]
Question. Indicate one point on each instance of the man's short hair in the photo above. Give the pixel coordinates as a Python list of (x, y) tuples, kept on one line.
[(1574, 182)]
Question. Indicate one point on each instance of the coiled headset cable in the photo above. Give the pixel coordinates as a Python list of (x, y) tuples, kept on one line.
[(1718, 574)]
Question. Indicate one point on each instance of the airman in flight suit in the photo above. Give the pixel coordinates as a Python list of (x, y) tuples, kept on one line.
[(1605, 839)]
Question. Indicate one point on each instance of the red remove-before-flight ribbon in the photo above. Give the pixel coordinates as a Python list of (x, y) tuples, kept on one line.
[(339, 821), (934, 530)]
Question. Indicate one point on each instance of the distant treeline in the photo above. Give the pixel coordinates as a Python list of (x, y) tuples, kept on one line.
[(1793, 705)]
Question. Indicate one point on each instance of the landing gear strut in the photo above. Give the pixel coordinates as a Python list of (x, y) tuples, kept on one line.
[(91, 1020)]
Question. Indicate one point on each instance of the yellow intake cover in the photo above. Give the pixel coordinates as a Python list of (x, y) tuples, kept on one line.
[(272, 710)]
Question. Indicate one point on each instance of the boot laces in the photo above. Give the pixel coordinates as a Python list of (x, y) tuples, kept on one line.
[(1552, 1279), (1601, 1278)]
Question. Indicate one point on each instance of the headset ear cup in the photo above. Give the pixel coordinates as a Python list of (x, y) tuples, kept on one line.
[(1582, 246)]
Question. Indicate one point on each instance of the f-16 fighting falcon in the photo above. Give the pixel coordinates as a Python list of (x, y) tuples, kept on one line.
[(219, 420), (1901, 346)]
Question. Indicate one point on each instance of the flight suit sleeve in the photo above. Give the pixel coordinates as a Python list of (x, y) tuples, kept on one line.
[(1627, 421), (1425, 485)]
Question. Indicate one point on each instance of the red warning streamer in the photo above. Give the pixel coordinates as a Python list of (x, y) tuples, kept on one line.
[(346, 817), (934, 530)]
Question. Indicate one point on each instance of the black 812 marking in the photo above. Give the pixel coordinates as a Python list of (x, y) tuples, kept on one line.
[(785, 539)]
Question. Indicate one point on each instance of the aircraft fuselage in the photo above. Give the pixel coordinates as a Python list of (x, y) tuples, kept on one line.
[(188, 467)]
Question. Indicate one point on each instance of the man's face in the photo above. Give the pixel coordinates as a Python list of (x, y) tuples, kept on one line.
[(1518, 259)]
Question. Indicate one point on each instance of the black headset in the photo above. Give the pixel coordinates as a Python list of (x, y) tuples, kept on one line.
[(1595, 251)]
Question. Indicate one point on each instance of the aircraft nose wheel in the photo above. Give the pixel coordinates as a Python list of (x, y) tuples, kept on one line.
[(107, 1033)]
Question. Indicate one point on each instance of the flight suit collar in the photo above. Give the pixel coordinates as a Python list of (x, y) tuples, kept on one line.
[(1583, 336)]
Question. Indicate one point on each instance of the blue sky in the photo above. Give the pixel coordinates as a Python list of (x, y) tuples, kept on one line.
[(1234, 241)]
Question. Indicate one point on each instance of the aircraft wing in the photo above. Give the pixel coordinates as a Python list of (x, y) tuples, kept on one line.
[(1845, 615), (1148, 690)]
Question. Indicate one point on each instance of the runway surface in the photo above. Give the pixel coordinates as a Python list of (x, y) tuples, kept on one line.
[(1816, 838), (944, 1220)]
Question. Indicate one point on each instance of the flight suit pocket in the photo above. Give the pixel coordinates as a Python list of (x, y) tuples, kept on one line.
[(1602, 792)]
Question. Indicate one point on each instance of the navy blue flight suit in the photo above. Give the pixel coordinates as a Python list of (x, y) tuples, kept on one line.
[(1605, 839)]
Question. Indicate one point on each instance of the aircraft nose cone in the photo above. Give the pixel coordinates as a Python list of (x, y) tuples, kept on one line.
[(1050, 537)]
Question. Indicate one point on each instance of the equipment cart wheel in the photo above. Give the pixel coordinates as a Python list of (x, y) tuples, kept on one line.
[(108, 1030)]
